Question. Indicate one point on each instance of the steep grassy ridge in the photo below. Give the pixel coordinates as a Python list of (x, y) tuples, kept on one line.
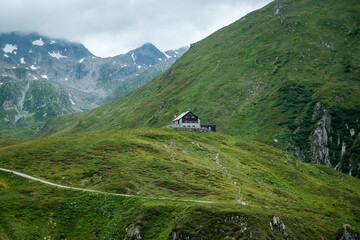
[(261, 78), (166, 163)]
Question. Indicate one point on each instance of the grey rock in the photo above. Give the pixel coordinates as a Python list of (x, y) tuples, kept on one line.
[(133, 232), (349, 235), (352, 132), (163, 105), (179, 236), (319, 110), (276, 223), (300, 154), (343, 149), (319, 138)]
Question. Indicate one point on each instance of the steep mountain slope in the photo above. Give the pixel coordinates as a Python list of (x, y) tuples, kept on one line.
[(72, 77), (287, 75), (249, 183), (138, 81), (31, 103)]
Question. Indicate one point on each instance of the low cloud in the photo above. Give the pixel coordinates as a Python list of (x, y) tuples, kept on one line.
[(111, 27)]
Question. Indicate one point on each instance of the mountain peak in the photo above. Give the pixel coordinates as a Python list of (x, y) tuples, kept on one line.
[(42, 43), (147, 48), (147, 54), (148, 44)]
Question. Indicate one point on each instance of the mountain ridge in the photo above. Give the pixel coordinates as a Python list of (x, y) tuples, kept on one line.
[(75, 79)]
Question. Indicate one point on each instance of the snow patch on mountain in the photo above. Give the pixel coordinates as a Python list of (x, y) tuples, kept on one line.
[(57, 55), (22, 61), (5, 55), (52, 42), (38, 42), (167, 56), (66, 79), (44, 76), (81, 60), (33, 67), (72, 102), (138, 66), (9, 48), (133, 58)]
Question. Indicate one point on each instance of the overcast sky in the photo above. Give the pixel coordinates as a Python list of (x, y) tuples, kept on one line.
[(112, 27)]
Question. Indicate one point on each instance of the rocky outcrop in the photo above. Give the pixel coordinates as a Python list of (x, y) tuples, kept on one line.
[(277, 224), (319, 138), (179, 236), (349, 234), (300, 154), (133, 232), (163, 105)]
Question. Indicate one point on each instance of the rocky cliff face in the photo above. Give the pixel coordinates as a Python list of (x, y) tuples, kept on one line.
[(344, 140), (319, 139), (334, 140), (348, 233)]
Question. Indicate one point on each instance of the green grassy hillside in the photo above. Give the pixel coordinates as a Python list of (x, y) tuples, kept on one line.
[(248, 182), (275, 76)]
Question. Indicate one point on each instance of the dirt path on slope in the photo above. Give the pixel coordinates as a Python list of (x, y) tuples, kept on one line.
[(95, 191)]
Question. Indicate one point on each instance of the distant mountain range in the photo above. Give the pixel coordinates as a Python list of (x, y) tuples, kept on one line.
[(42, 77), (286, 75)]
